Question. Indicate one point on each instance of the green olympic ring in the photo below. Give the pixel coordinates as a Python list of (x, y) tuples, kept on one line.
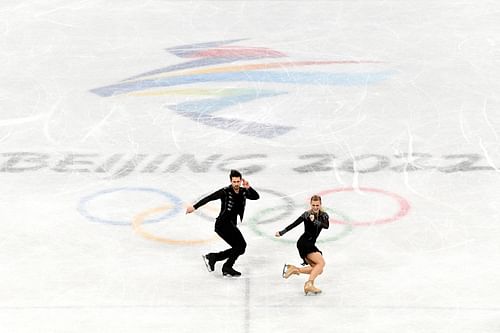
[(254, 221)]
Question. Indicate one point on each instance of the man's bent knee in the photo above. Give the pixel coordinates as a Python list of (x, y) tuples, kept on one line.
[(241, 249)]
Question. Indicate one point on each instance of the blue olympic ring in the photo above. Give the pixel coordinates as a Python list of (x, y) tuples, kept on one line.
[(82, 206)]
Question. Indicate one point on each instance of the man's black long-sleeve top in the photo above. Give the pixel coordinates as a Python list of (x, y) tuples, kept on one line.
[(232, 203)]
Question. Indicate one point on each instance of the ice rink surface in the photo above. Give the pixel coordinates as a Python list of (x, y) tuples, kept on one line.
[(114, 115)]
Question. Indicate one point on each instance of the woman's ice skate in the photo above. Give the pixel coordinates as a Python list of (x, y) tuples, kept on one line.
[(309, 288), (289, 270)]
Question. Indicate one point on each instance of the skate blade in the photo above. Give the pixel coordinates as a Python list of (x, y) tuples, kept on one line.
[(312, 293), (205, 260), (284, 271)]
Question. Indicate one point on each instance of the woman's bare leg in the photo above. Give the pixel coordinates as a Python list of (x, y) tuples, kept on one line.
[(305, 270), (317, 263)]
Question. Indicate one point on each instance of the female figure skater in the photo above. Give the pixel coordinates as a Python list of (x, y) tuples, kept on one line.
[(314, 219)]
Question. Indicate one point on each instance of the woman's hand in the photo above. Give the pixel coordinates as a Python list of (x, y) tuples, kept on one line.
[(189, 209)]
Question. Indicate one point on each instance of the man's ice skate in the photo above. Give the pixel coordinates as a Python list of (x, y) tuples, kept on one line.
[(229, 271), (289, 270), (310, 289), (209, 261)]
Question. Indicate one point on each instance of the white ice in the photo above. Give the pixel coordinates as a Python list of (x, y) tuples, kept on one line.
[(406, 156)]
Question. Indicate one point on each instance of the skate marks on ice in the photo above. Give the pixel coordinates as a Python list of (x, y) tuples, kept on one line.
[(243, 68)]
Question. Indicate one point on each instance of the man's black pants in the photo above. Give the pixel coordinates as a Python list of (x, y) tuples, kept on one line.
[(232, 235)]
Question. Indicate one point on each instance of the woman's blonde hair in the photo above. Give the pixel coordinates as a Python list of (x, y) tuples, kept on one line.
[(316, 198)]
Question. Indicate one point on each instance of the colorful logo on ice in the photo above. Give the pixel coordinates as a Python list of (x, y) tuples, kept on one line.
[(218, 62)]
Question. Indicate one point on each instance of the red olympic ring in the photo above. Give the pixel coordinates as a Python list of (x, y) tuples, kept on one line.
[(404, 206)]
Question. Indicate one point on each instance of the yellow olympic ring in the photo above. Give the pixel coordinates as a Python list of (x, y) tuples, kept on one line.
[(141, 217)]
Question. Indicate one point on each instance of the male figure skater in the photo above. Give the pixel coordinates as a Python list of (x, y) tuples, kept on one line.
[(233, 199)]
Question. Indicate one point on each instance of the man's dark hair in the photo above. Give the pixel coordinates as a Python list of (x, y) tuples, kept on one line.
[(234, 173)]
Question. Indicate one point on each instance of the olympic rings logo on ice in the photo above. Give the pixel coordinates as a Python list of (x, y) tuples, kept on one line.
[(263, 223)]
